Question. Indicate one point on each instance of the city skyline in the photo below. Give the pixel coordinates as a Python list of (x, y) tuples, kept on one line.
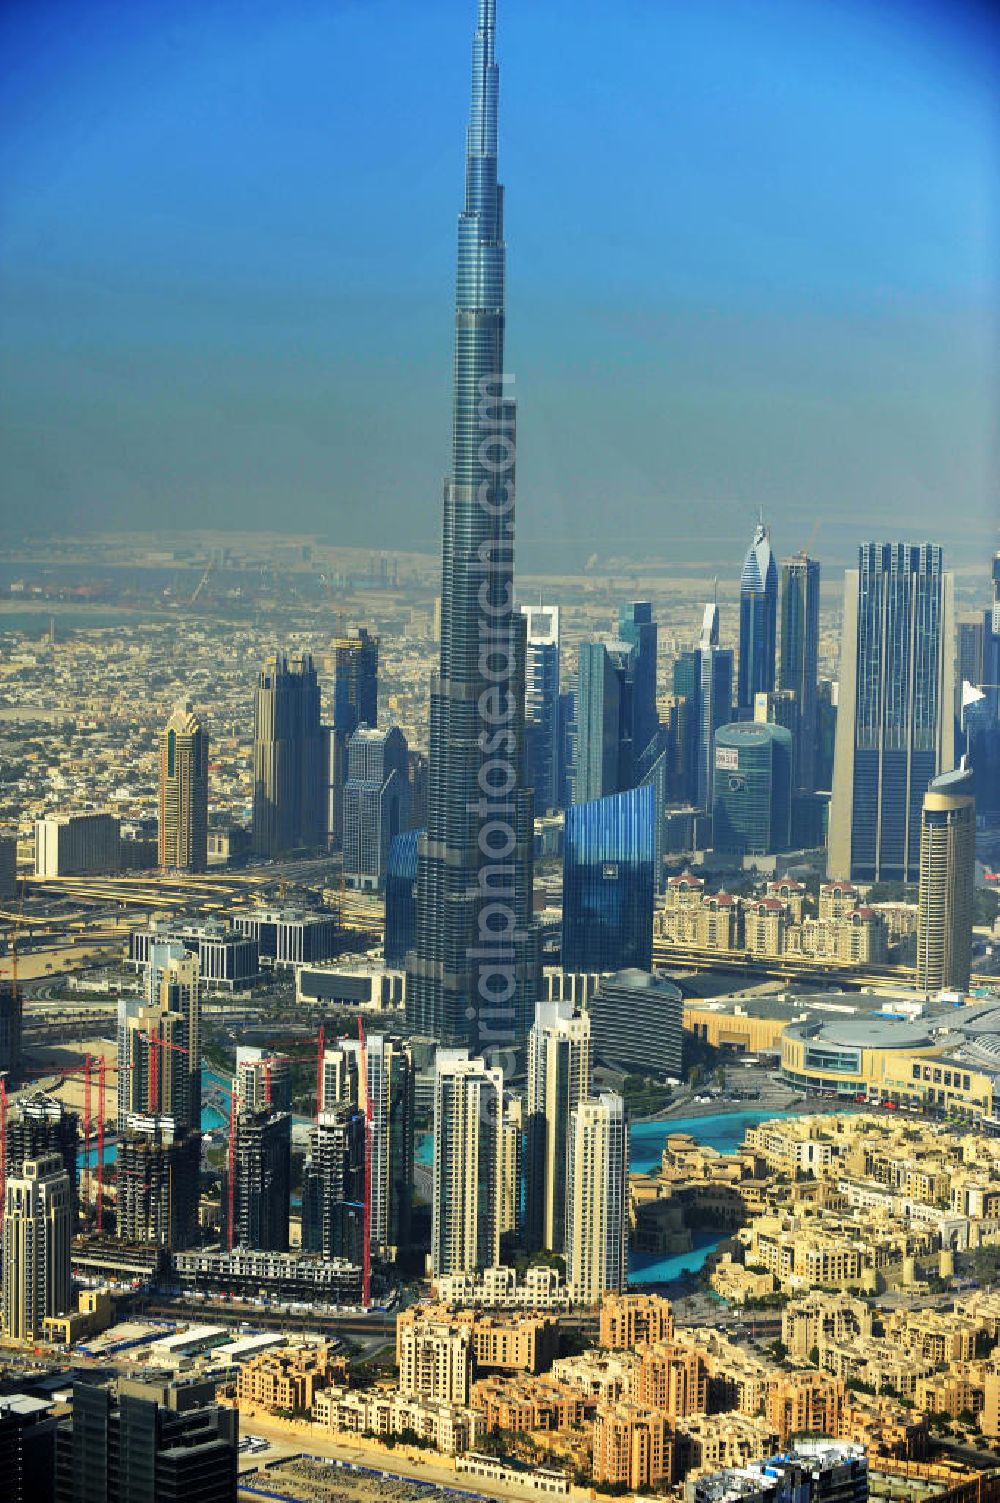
[(481, 1049), (815, 340)]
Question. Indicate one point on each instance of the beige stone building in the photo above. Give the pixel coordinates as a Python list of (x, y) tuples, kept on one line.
[(632, 1446), (434, 1355), (764, 927), (791, 895), (673, 1379), (736, 1283), (836, 899), (820, 1319), (990, 1417), (288, 1377), (514, 1344), (713, 1442), (604, 1376), (528, 1404), (805, 1402), (449, 1428), (627, 1320)]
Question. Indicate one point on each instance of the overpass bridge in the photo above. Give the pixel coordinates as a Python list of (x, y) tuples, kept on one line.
[(791, 968)]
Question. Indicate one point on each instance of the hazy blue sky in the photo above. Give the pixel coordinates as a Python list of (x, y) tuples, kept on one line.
[(754, 260)]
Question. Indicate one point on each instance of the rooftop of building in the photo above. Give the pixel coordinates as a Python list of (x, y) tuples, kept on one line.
[(634, 980), (873, 1032), (751, 733)]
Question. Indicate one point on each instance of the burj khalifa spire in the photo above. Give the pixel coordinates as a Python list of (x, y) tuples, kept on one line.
[(473, 975)]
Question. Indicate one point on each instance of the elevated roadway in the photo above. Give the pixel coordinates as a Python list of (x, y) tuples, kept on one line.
[(845, 974)]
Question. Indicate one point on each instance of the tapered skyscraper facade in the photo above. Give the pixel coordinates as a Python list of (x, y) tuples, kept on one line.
[(183, 828), (758, 622), (473, 975)]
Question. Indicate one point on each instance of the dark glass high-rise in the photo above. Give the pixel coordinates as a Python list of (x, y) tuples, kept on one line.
[(799, 658), (896, 716)]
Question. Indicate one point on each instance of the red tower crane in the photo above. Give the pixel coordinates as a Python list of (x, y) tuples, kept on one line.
[(86, 1129), (366, 1253), (157, 1041), (267, 1083), (100, 1144), (87, 1071), (231, 1181), (3, 1147), (320, 1051), (18, 921)]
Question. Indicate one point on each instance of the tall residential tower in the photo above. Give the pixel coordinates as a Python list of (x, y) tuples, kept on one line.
[(184, 793), (468, 1164), (38, 1232), (558, 1081), (947, 882)]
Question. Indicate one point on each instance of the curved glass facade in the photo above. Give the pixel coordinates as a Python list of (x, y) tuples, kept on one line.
[(752, 802), (400, 897), (609, 856)]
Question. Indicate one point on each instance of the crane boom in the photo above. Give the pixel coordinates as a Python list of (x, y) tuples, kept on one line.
[(366, 1254)]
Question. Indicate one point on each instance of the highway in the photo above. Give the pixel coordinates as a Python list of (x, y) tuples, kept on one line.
[(844, 974)]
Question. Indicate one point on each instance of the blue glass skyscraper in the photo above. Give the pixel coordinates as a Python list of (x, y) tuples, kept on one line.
[(758, 622), (896, 716), (474, 973), (603, 720), (400, 897), (609, 854)]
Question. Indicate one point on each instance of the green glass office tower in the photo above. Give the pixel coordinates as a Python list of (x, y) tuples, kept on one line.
[(474, 972), (752, 802)]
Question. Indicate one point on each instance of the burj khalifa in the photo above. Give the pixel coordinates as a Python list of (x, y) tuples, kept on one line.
[(473, 976)]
